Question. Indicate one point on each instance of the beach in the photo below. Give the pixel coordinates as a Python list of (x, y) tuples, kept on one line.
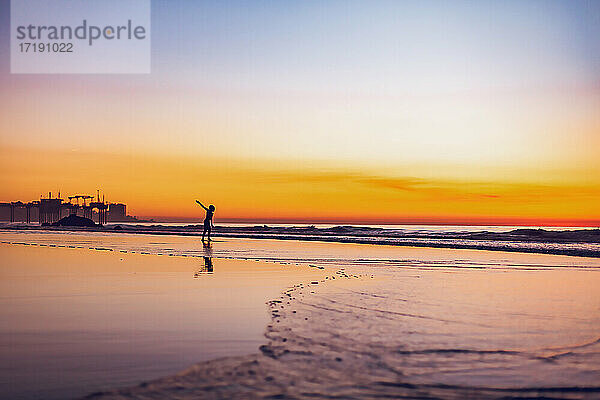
[(300, 319)]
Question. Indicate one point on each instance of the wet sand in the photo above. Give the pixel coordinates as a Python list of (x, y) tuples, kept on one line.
[(421, 333), (389, 322), (81, 320)]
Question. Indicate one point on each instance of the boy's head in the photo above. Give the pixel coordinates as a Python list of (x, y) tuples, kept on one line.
[(211, 207)]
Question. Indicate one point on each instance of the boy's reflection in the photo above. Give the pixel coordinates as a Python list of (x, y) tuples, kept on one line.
[(208, 262)]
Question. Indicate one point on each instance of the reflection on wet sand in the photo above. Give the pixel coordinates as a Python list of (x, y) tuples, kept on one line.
[(79, 320), (208, 261), (426, 333)]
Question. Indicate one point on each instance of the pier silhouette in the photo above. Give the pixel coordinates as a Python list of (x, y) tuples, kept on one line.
[(48, 210)]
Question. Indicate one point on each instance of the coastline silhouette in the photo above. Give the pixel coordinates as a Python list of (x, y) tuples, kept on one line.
[(208, 219)]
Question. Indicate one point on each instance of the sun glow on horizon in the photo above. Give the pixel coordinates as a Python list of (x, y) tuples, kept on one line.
[(155, 186)]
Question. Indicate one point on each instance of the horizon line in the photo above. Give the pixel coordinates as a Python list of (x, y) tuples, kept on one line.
[(465, 221)]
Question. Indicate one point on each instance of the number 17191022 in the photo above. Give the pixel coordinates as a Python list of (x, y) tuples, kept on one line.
[(41, 47)]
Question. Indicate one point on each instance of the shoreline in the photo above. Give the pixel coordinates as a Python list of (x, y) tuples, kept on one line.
[(573, 242)]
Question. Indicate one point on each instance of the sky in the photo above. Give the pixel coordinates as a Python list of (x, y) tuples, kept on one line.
[(337, 111)]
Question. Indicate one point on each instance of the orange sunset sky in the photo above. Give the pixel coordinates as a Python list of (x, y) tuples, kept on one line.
[(373, 112)]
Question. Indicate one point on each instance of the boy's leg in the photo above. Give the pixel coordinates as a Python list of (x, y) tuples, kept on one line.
[(203, 233), (209, 229)]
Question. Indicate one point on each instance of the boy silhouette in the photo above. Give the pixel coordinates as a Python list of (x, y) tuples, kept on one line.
[(208, 220)]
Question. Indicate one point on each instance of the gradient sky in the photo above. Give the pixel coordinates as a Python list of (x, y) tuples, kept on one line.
[(421, 112)]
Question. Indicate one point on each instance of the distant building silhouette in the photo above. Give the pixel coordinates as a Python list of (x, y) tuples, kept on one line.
[(117, 212), (50, 209)]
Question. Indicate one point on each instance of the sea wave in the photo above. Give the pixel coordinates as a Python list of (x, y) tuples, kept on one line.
[(577, 242)]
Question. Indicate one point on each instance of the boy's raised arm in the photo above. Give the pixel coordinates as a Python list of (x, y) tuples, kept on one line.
[(201, 205)]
